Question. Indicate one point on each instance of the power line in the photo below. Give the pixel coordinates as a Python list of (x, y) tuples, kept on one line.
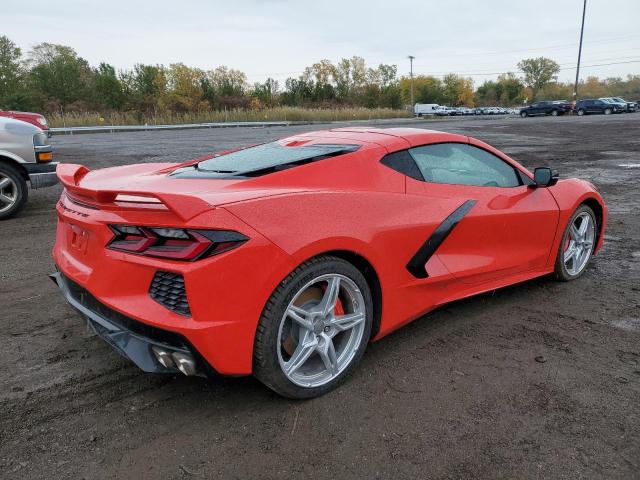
[(548, 47), (518, 70)]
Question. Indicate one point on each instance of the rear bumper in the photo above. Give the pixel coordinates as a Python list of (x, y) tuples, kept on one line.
[(41, 174), (226, 292), (133, 340)]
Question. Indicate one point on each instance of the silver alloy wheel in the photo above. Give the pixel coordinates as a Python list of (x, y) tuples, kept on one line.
[(8, 192), (321, 330), (579, 243)]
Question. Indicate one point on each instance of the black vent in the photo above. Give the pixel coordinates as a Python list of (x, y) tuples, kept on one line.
[(168, 290)]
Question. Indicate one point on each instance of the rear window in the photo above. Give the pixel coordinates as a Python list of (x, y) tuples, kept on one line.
[(270, 157)]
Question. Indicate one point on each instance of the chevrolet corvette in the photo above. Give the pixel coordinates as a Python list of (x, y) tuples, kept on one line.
[(284, 260)]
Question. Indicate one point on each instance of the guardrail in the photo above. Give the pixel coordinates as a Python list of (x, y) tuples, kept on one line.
[(183, 126)]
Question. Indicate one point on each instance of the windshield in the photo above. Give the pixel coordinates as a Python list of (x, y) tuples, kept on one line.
[(270, 156)]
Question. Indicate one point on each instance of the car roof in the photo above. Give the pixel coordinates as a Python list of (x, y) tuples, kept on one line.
[(390, 138)]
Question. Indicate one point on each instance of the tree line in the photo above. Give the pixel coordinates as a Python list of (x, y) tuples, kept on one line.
[(53, 78)]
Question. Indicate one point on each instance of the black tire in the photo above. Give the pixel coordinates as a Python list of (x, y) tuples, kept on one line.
[(560, 270), (581, 112), (18, 188), (608, 111), (554, 113), (524, 114), (266, 366)]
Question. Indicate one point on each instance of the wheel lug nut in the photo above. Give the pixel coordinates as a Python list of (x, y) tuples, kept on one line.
[(327, 328)]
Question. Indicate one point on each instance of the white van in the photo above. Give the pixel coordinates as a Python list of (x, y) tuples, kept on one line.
[(420, 109)]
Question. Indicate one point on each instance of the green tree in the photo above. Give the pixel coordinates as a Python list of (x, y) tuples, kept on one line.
[(144, 86), (427, 89), (457, 90), (107, 87), (267, 92), (538, 72), (59, 74), (507, 90), (11, 72), (184, 89), (349, 77)]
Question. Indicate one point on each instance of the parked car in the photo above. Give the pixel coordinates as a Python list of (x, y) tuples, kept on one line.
[(554, 108), (33, 118), (631, 106), (444, 111), (420, 109), (285, 260), (628, 106), (25, 155), (621, 107), (588, 106)]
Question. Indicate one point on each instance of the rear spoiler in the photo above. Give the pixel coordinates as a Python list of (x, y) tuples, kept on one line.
[(182, 205)]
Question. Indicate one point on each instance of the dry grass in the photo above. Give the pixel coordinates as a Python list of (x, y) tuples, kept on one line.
[(292, 114)]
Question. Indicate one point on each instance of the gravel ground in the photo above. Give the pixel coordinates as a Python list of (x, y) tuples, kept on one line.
[(457, 394)]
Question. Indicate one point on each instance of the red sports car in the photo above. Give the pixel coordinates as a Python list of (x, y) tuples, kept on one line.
[(284, 260)]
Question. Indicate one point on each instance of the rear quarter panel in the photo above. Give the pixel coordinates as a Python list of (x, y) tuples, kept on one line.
[(384, 228)]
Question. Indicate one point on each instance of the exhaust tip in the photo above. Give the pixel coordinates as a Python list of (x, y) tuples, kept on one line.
[(185, 363), (164, 358)]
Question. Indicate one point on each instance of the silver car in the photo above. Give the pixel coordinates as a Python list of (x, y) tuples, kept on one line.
[(25, 155)]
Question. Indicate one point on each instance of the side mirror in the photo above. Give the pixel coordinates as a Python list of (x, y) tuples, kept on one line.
[(545, 177)]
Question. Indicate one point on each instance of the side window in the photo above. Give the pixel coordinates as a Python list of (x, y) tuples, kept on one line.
[(462, 164), (402, 162)]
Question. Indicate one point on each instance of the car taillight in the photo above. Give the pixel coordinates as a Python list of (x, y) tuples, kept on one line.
[(173, 243)]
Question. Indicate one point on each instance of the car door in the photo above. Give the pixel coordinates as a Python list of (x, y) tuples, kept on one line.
[(502, 225), (534, 108), (596, 106)]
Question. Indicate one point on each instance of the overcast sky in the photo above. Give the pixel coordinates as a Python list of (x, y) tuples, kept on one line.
[(278, 38)]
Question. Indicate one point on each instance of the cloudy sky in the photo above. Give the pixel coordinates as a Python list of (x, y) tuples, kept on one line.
[(278, 38)]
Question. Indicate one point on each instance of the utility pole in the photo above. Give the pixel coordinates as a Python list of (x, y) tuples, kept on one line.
[(411, 57), (575, 87)]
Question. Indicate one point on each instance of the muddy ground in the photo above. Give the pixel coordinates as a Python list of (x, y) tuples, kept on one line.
[(457, 394)]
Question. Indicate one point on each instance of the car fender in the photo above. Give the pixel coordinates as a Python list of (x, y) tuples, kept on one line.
[(569, 195), (12, 156)]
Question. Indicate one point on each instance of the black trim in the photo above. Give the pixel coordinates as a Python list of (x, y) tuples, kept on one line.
[(403, 162), (416, 265), (130, 337), (49, 167)]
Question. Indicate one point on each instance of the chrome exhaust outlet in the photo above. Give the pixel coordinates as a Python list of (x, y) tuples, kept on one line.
[(185, 363), (164, 358)]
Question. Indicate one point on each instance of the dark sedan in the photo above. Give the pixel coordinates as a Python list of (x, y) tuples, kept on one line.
[(554, 108)]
